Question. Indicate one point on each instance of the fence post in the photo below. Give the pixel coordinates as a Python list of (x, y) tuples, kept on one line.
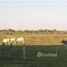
[(2, 50), (57, 50), (24, 52), (10, 49), (57, 56)]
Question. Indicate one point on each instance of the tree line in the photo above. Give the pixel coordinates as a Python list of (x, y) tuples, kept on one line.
[(11, 31)]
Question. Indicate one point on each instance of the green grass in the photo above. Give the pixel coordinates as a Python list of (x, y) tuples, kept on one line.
[(16, 58)]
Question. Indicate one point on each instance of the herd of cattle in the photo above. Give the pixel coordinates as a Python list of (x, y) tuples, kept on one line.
[(21, 40), (15, 40)]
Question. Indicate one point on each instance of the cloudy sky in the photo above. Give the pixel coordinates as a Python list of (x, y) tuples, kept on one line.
[(33, 14)]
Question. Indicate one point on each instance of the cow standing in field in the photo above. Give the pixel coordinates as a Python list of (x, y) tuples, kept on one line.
[(21, 40), (13, 40), (64, 42), (5, 41)]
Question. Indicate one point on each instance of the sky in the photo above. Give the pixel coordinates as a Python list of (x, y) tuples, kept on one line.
[(33, 14)]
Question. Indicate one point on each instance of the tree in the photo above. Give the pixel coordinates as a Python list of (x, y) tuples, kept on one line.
[(11, 30)]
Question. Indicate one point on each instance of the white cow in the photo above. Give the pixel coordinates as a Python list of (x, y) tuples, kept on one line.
[(5, 41), (12, 40), (20, 40)]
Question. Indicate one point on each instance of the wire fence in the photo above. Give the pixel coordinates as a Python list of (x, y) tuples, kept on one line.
[(50, 56)]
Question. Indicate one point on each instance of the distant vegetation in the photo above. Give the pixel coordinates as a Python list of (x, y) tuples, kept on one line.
[(36, 37)]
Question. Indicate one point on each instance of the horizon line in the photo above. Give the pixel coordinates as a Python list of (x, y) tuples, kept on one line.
[(34, 29)]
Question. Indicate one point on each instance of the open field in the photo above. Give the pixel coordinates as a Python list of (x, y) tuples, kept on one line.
[(37, 39), (32, 60), (35, 42)]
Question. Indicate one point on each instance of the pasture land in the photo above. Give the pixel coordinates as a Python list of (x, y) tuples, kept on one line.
[(16, 58), (37, 38)]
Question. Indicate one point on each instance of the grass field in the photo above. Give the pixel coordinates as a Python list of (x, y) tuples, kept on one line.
[(37, 39), (44, 43), (16, 58)]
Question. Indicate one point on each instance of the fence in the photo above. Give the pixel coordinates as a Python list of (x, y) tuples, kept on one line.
[(50, 56)]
